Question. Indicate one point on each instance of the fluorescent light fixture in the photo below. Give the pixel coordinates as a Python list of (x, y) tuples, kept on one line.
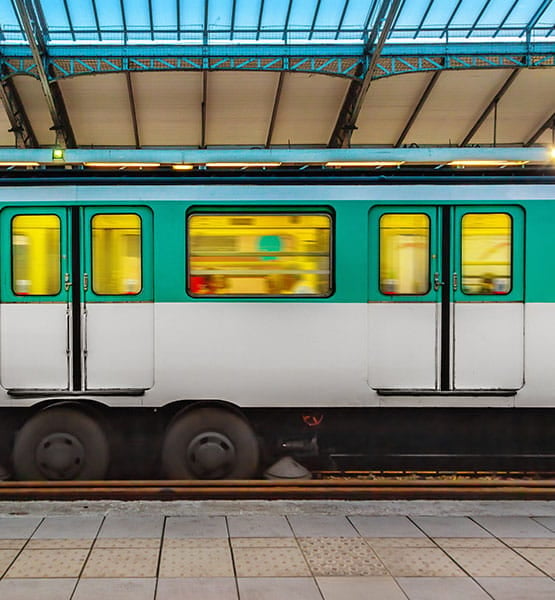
[(365, 163), (120, 165), (182, 167), (241, 165), (487, 163), (19, 163)]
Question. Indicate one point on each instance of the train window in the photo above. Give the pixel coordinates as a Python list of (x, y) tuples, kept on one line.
[(486, 253), (36, 255), (404, 253), (116, 254), (259, 254)]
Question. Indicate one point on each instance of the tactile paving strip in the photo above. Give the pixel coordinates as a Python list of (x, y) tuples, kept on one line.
[(340, 556), (264, 542), (121, 562), (421, 542), (543, 558), (469, 542), (196, 562), (6, 558), (151, 543), (418, 562), (270, 562), (63, 544), (208, 543), (12, 544), (530, 542), (493, 562), (48, 563)]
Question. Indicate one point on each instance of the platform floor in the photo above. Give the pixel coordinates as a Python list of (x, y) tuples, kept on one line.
[(277, 551)]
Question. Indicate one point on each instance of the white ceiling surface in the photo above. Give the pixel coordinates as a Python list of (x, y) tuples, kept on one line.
[(239, 108)]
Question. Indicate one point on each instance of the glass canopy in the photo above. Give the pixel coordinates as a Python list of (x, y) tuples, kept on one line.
[(271, 21)]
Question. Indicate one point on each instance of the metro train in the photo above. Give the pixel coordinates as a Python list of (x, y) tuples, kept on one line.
[(203, 330)]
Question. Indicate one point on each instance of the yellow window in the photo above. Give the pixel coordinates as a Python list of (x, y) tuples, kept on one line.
[(116, 254), (259, 255), (404, 254), (486, 253), (36, 255)]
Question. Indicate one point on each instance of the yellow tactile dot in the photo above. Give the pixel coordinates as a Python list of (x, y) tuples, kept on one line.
[(121, 562), (418, 562), (270, 562), (196, 562), (48, 563), (493, 562)]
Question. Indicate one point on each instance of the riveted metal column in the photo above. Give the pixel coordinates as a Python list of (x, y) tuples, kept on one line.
[(50, 89)]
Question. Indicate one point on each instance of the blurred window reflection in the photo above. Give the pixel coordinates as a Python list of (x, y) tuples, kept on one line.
[(404, 253), (259, 254), (486, 253), (116, 254), (36, 255)]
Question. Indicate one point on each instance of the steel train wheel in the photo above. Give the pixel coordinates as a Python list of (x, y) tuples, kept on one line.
[(210, 443), (61, 444)]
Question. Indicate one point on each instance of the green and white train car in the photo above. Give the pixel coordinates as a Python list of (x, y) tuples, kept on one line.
[(203, 330)]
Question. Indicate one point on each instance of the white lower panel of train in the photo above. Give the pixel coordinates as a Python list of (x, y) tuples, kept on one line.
[(303, 354)]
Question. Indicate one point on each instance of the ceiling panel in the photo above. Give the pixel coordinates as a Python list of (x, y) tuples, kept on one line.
[(454, 105), (239, 107), (308, 109), (168, 107), (32, 97), (387, 108), (528, 103), (99, 110)]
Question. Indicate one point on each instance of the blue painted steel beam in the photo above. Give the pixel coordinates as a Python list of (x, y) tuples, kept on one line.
[(69, 20), (314, 18), (423, 19), (341, 19), (343, 60), (504, 19), (96, 20), (285, 156), (450, 19), (260, 14), (477, 20), (536, 16)]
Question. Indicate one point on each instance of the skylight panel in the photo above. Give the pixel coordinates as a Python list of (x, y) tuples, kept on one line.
[(191, 15), (273, 18)]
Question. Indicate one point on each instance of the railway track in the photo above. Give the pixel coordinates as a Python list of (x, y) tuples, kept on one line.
[(453, 487)]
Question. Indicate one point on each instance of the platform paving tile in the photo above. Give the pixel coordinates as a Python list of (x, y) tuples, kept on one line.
[(442, 588), (514, 527), (469, 542), (68, 527), (36, 589), (6, 558), (360, 588), (15, 528), (115, 526), (177, 543), (340, 556), (386, 527), (196, 527), (417, 542), (55, 544), (48, 564), (265, 542), (218, 588), (322, 526), (548, 522), (115, 589), (273, 526), (121, 562), (153, 543), (543, 558), (518, 588), (270, 562), (278, 588), (493, 562), (529, 542), (12, 544), (418, 562), (450, 527), (196, 562)]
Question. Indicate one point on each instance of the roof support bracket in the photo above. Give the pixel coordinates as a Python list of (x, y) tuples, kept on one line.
[(19, 121)]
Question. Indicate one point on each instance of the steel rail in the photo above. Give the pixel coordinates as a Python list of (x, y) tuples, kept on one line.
[(336, 489)]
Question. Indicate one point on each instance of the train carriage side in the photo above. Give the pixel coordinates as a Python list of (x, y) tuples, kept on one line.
[(204, 331)]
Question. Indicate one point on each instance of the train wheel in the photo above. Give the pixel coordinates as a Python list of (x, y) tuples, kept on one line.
[(210, 443), (61, 444)]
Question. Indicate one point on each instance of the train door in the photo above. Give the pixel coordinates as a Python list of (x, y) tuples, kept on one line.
[(77, 299), (446, 295)]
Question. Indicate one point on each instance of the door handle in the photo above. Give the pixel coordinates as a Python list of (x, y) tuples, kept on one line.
[(67, 282), (455, 281), (85, 281), (437, 282)]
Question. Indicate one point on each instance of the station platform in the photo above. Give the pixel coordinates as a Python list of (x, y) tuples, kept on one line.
[(277, 550)]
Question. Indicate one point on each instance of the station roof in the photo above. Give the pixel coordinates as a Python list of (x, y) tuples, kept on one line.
[(209, 74)]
